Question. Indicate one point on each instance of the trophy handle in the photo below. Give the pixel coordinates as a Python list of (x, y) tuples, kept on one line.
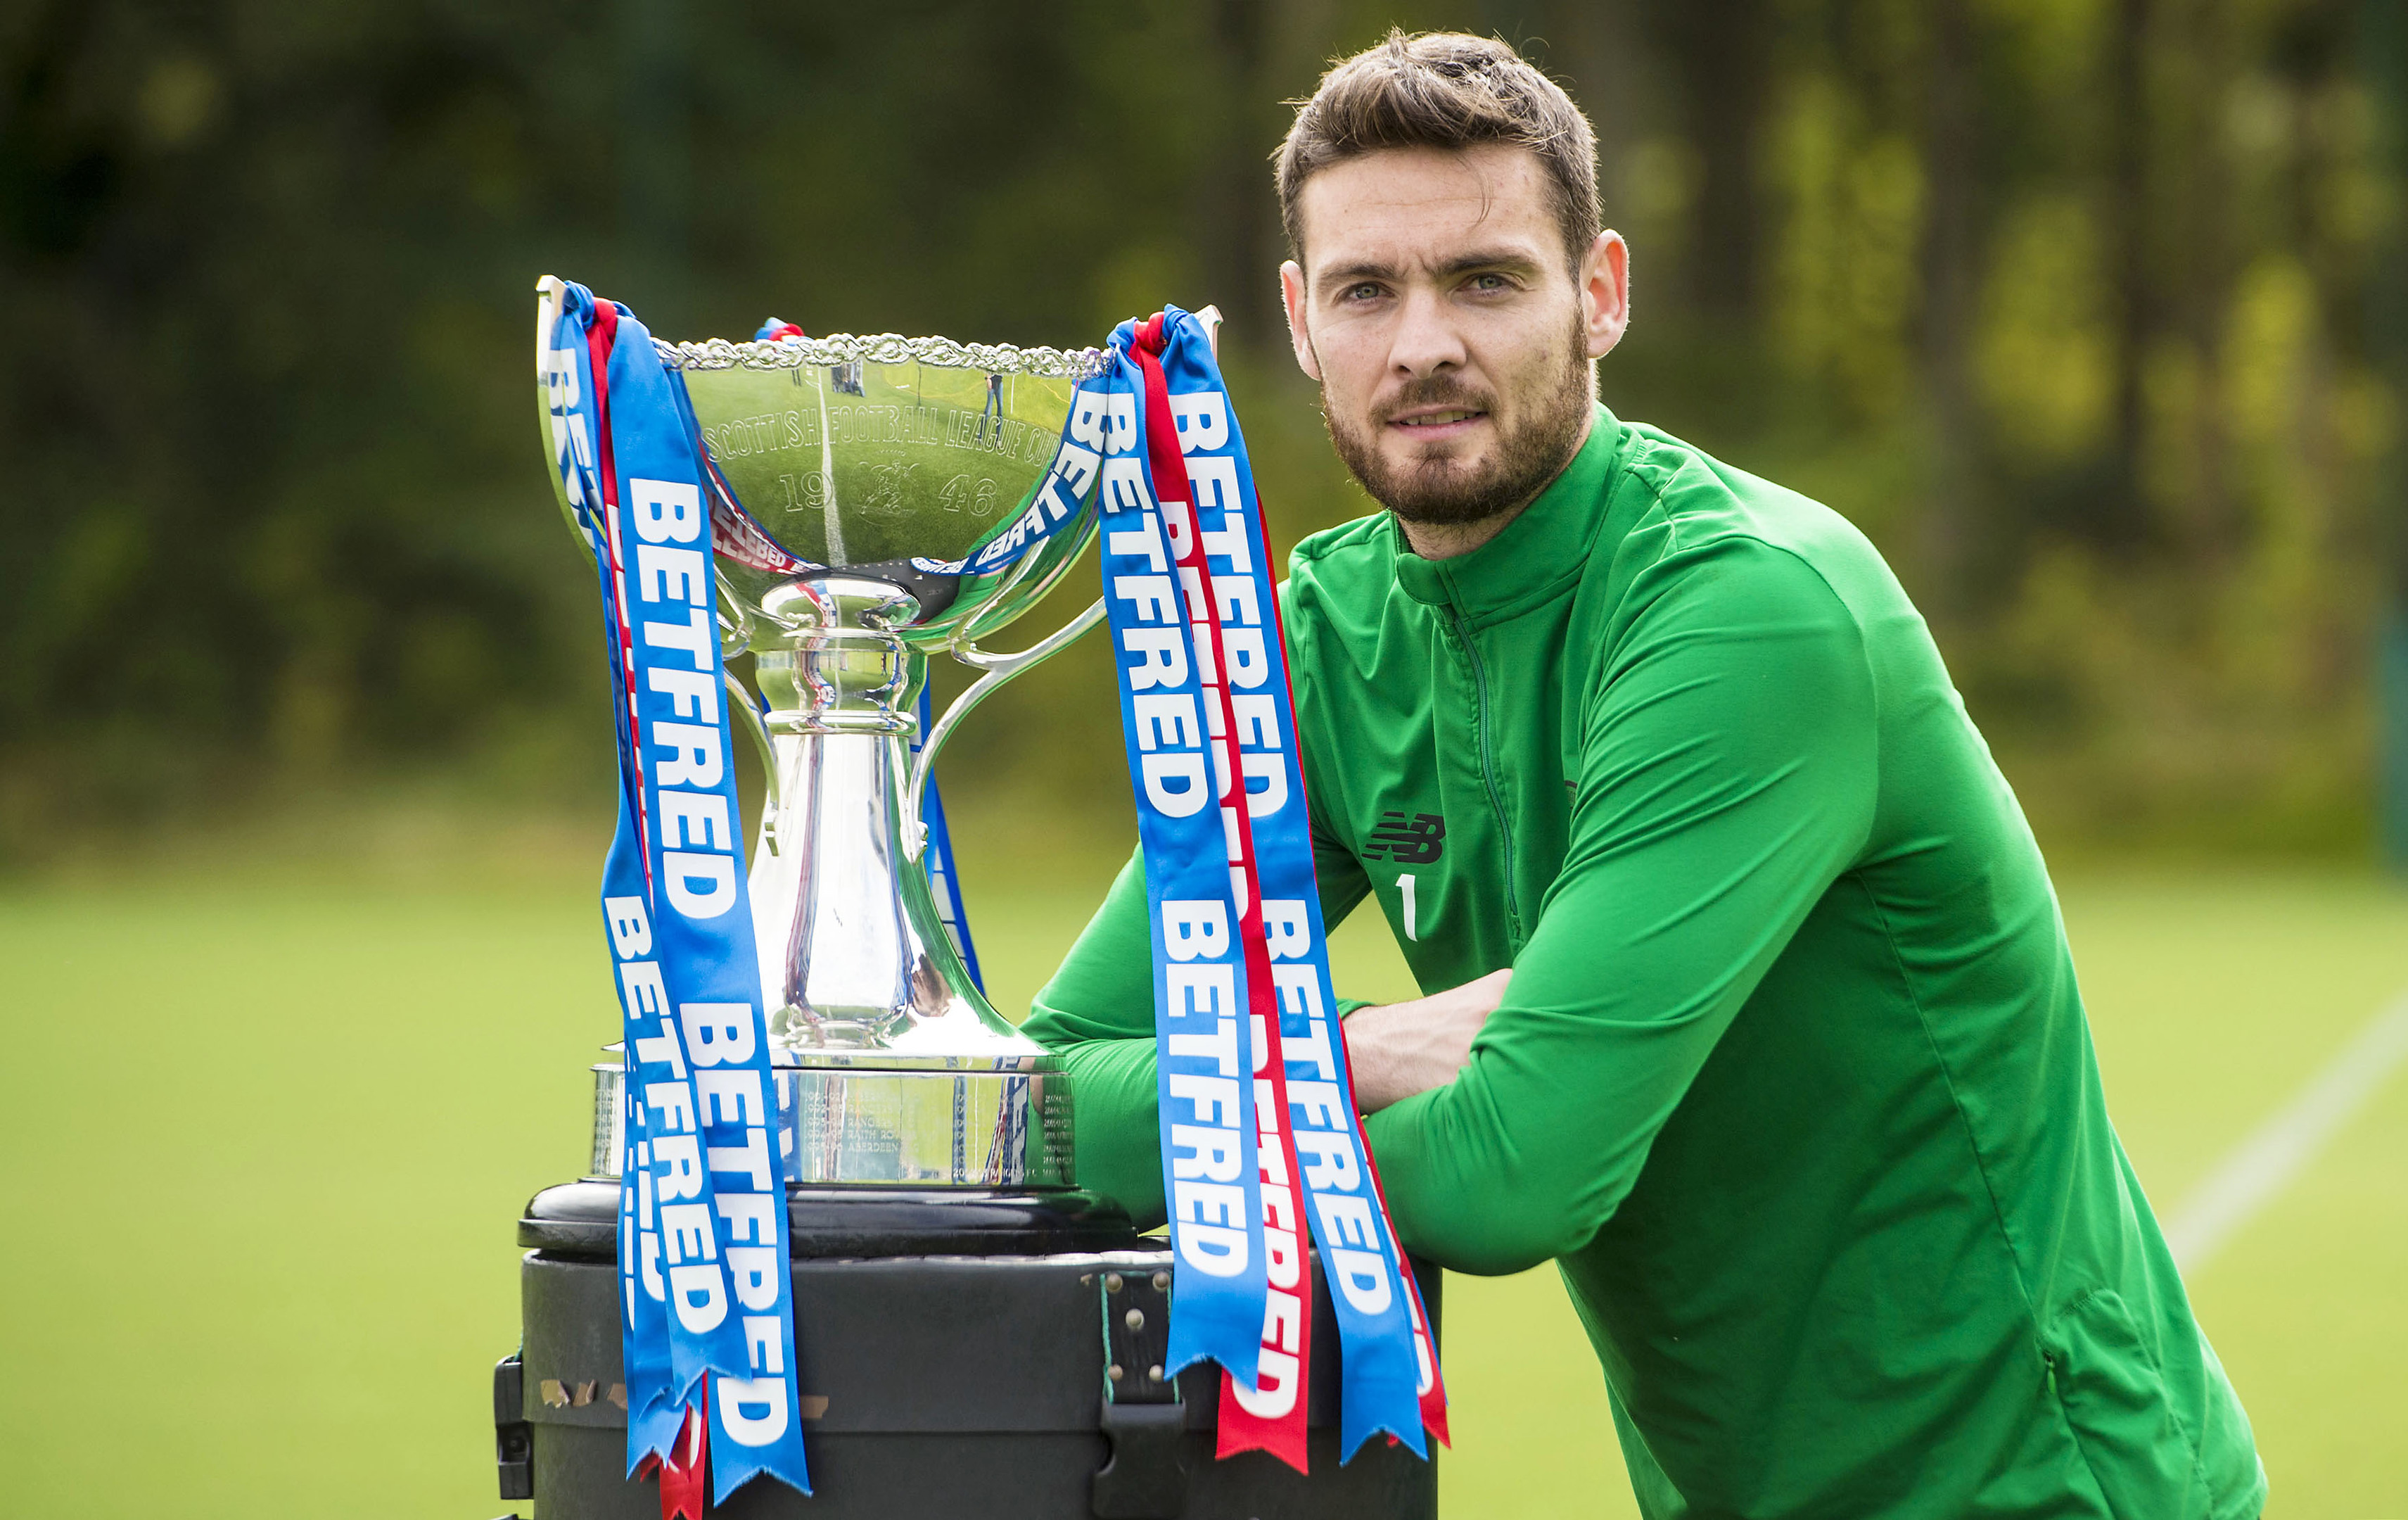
[(998, 669)]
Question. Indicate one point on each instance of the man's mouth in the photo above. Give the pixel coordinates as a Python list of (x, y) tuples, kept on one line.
[(1439, 418)]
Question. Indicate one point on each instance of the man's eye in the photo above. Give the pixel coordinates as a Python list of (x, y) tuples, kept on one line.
[(1490, 283), (1365, 292)]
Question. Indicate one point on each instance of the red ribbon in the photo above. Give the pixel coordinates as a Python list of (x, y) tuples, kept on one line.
[(1240, 1429), (684, 1473)]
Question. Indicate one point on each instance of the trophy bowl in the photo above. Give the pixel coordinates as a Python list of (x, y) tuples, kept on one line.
[(876, 501)]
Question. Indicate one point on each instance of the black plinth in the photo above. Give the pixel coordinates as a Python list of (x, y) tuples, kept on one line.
[(952, 1352)]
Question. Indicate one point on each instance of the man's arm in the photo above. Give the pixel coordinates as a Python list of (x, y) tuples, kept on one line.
[(1727, 778), (1098, 1015)]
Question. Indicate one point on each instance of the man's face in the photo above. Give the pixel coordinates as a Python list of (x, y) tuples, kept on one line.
[(1451, 334)]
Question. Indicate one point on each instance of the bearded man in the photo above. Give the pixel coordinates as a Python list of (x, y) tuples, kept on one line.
[(1749, 1005)]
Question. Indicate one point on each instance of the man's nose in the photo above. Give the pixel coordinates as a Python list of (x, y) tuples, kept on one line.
[(1425, 340)]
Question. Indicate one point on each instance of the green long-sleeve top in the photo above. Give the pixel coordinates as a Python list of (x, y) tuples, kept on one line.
[(1792, 1077)]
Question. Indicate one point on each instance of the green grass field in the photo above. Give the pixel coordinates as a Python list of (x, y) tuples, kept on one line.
[(271, 1131)]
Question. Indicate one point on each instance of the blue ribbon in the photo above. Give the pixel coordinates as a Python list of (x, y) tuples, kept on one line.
[(1193, 886), (706, 1288)]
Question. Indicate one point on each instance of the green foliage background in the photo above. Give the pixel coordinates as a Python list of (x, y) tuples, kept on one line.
[(2073, 304)]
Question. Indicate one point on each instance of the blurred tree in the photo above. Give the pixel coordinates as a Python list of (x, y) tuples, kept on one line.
[(2071, 303)]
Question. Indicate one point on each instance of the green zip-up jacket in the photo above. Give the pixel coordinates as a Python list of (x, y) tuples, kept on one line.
[(1792, 1077)]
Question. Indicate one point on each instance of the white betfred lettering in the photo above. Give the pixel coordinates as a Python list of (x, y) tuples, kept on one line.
[(1300, 989), (1217, 981), (753, 1271), (641, 983), (1210, 1154), (1191, 581), (1234, 599), (1124, 491), (1086, 422), (699, 1294), (666, 512), (1178, 528), (1213, 1250), (677, 1166), (1195, 928), (672, 575), (671, 1102), (1152, 713), (764, 1343), (1160, 771), (631, 929), (1208, 1203), (1286, 929), (689, 757), (662, 1049), (688, 1231), (1270, 768), (1346, 1221), (1166, 657), (681, 868), (751, 1411), (1320, 1103), (1328, 1158), (1148, 596), (751, 1158), (1230, 543), (717, 1034), (749, 1216), (1283, 1265), (697, 637), (1220, 1047), (1258, 721), (698, 819), (1363, 1278), (1202, 418), (1282, 1321), (1273, 1393), (1249, 666), (730, 1096), (1120, 419), (1206, 672), (1076, 466), (691, 693), (1214, 1099), (1311, 1045), (1215, 483)]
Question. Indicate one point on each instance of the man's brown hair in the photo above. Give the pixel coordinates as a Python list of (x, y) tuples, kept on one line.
[(1449, 91)]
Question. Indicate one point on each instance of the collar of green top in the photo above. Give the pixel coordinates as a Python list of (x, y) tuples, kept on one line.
[(1540, 554)]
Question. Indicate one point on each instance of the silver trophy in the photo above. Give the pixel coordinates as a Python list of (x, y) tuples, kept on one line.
[(852, 466)]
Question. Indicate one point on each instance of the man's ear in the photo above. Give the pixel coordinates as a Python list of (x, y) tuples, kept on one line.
[(1605, 293), (1300, 336)]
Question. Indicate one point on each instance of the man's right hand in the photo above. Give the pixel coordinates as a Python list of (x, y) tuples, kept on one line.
[(1400, 1049)]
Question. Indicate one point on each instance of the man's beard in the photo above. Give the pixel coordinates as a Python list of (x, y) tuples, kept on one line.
[(1440, 491)]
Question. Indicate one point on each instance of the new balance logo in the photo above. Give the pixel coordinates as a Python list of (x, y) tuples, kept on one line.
[(1418, 842)]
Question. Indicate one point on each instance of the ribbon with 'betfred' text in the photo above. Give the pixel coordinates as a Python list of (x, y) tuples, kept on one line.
[(1260, 1139), (705, 1293)]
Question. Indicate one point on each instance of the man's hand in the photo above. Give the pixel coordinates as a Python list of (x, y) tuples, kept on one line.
[(1400, 1049)]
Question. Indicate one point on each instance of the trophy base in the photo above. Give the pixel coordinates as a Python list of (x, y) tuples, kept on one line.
[(924, 1126), (954, 1351)]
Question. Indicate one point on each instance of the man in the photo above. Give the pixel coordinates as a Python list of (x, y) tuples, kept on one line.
[(1758, 1017)]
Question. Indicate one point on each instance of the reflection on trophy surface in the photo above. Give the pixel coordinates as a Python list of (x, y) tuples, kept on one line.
[(849, 474)]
